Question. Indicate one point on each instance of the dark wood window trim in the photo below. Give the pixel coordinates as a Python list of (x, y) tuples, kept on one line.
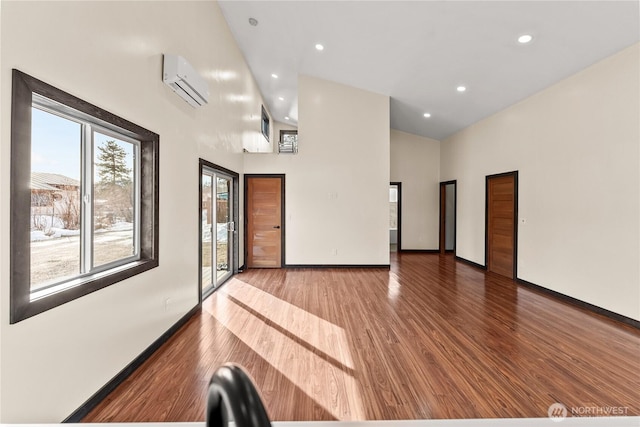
[(265, 123), (23, 89)]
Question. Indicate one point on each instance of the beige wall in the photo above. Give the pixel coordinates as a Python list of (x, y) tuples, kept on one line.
[(415, 161), (575, 146), (337, 185), (110, 54)]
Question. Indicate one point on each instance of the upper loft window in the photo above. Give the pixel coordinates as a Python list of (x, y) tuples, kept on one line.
[(265, 123), (288, 142), (83, 198)]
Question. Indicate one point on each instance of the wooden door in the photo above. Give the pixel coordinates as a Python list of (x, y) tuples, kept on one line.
[(264, 222), (501, 224)]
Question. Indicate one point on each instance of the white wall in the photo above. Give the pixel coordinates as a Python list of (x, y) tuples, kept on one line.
[(575, 146), (415, 161), (110, 54), (337, 186)]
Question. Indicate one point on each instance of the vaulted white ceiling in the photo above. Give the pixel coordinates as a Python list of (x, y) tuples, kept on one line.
[(419, 52)]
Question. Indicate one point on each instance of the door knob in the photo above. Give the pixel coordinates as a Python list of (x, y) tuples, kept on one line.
[(276, 226)]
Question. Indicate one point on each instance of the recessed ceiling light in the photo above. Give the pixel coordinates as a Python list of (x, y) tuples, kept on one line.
[(253, 22), (281, 98), (319, 47), (286, 118), (461, 88), (525, 38), (427, 115), (275, 76)]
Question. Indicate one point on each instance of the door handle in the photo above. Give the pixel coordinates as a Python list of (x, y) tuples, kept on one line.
[(276, 226)]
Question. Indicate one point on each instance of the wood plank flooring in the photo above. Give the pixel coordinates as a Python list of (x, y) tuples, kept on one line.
[(432, 338)]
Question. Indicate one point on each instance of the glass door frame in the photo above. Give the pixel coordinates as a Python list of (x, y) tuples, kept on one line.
[(215, 171)]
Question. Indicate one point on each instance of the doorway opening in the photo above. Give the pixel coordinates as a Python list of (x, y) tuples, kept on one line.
[(447, 233), (395, 217), (501, 228), (218, 218)]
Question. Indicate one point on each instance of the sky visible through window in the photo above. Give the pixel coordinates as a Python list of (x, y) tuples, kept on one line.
[(55, 145)]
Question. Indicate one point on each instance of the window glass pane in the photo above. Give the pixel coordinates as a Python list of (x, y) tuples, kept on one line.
[(55, 198), (207, 229), (113, 199), (265, 123), (289, 138), (222, 225)]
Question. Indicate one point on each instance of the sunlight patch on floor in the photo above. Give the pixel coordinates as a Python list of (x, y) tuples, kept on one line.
[(286, 342), (325, 336), (393, 288)]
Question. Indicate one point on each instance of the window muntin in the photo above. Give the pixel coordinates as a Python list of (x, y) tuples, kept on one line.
[(103, 245)]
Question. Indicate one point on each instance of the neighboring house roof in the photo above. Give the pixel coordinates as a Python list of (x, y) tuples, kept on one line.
[(50, 181), (41, 186)]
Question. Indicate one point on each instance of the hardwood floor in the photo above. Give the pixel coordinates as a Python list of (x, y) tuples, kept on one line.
[(432, 338)]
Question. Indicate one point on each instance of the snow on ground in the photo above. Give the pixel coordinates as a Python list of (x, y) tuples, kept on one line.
[(221, 232), (56, 233), (121, 226), (38, 235)]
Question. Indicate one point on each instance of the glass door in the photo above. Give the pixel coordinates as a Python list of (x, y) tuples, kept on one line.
[(217, 229), (224, 228)]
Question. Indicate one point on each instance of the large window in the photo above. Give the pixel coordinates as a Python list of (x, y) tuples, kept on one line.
[(84, 198)]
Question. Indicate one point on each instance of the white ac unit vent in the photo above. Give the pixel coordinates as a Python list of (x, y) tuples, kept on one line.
[(180, 76)]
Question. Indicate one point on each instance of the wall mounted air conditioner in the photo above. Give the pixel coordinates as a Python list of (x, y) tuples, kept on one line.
[(180, 76)]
